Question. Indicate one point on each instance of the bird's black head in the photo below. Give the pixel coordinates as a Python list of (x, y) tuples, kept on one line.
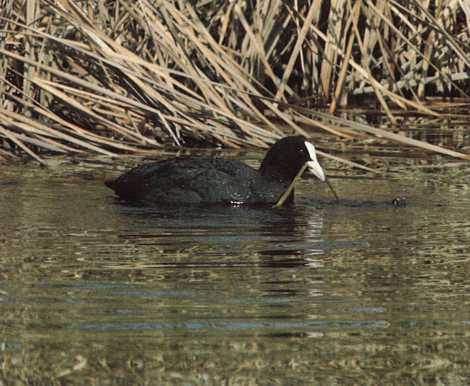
[(287, 156)]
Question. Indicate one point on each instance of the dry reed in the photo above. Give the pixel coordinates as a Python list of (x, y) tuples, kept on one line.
[(124, 77)]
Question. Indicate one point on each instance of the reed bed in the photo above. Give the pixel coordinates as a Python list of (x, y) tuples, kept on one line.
[(125, 77)]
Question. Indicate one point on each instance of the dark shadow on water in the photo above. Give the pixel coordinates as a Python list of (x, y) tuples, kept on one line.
[(241, 236), (207, 216)]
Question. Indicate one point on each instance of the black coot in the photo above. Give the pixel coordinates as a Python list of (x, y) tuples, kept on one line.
[(212, 180)]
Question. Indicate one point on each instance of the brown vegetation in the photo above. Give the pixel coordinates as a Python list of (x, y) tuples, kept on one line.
[(116, 77)]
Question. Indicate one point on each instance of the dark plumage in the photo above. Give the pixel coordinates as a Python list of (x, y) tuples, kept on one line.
[(212, 180)]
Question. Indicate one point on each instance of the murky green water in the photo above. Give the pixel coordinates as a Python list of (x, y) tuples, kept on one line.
[(96, 293)]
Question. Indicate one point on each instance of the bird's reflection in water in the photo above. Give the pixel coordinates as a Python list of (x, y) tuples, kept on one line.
[(238, 235)]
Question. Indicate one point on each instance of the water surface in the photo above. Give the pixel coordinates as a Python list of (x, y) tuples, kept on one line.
[(358, 292)]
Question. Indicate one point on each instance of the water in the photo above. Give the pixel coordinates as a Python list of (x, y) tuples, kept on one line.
[(360, 292)]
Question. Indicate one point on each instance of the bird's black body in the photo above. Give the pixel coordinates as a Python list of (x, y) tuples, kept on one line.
[(197, 180), (212, 180)]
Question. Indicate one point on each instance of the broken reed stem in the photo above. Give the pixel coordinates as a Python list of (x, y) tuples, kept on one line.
[(332, 190), (287, 193)]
